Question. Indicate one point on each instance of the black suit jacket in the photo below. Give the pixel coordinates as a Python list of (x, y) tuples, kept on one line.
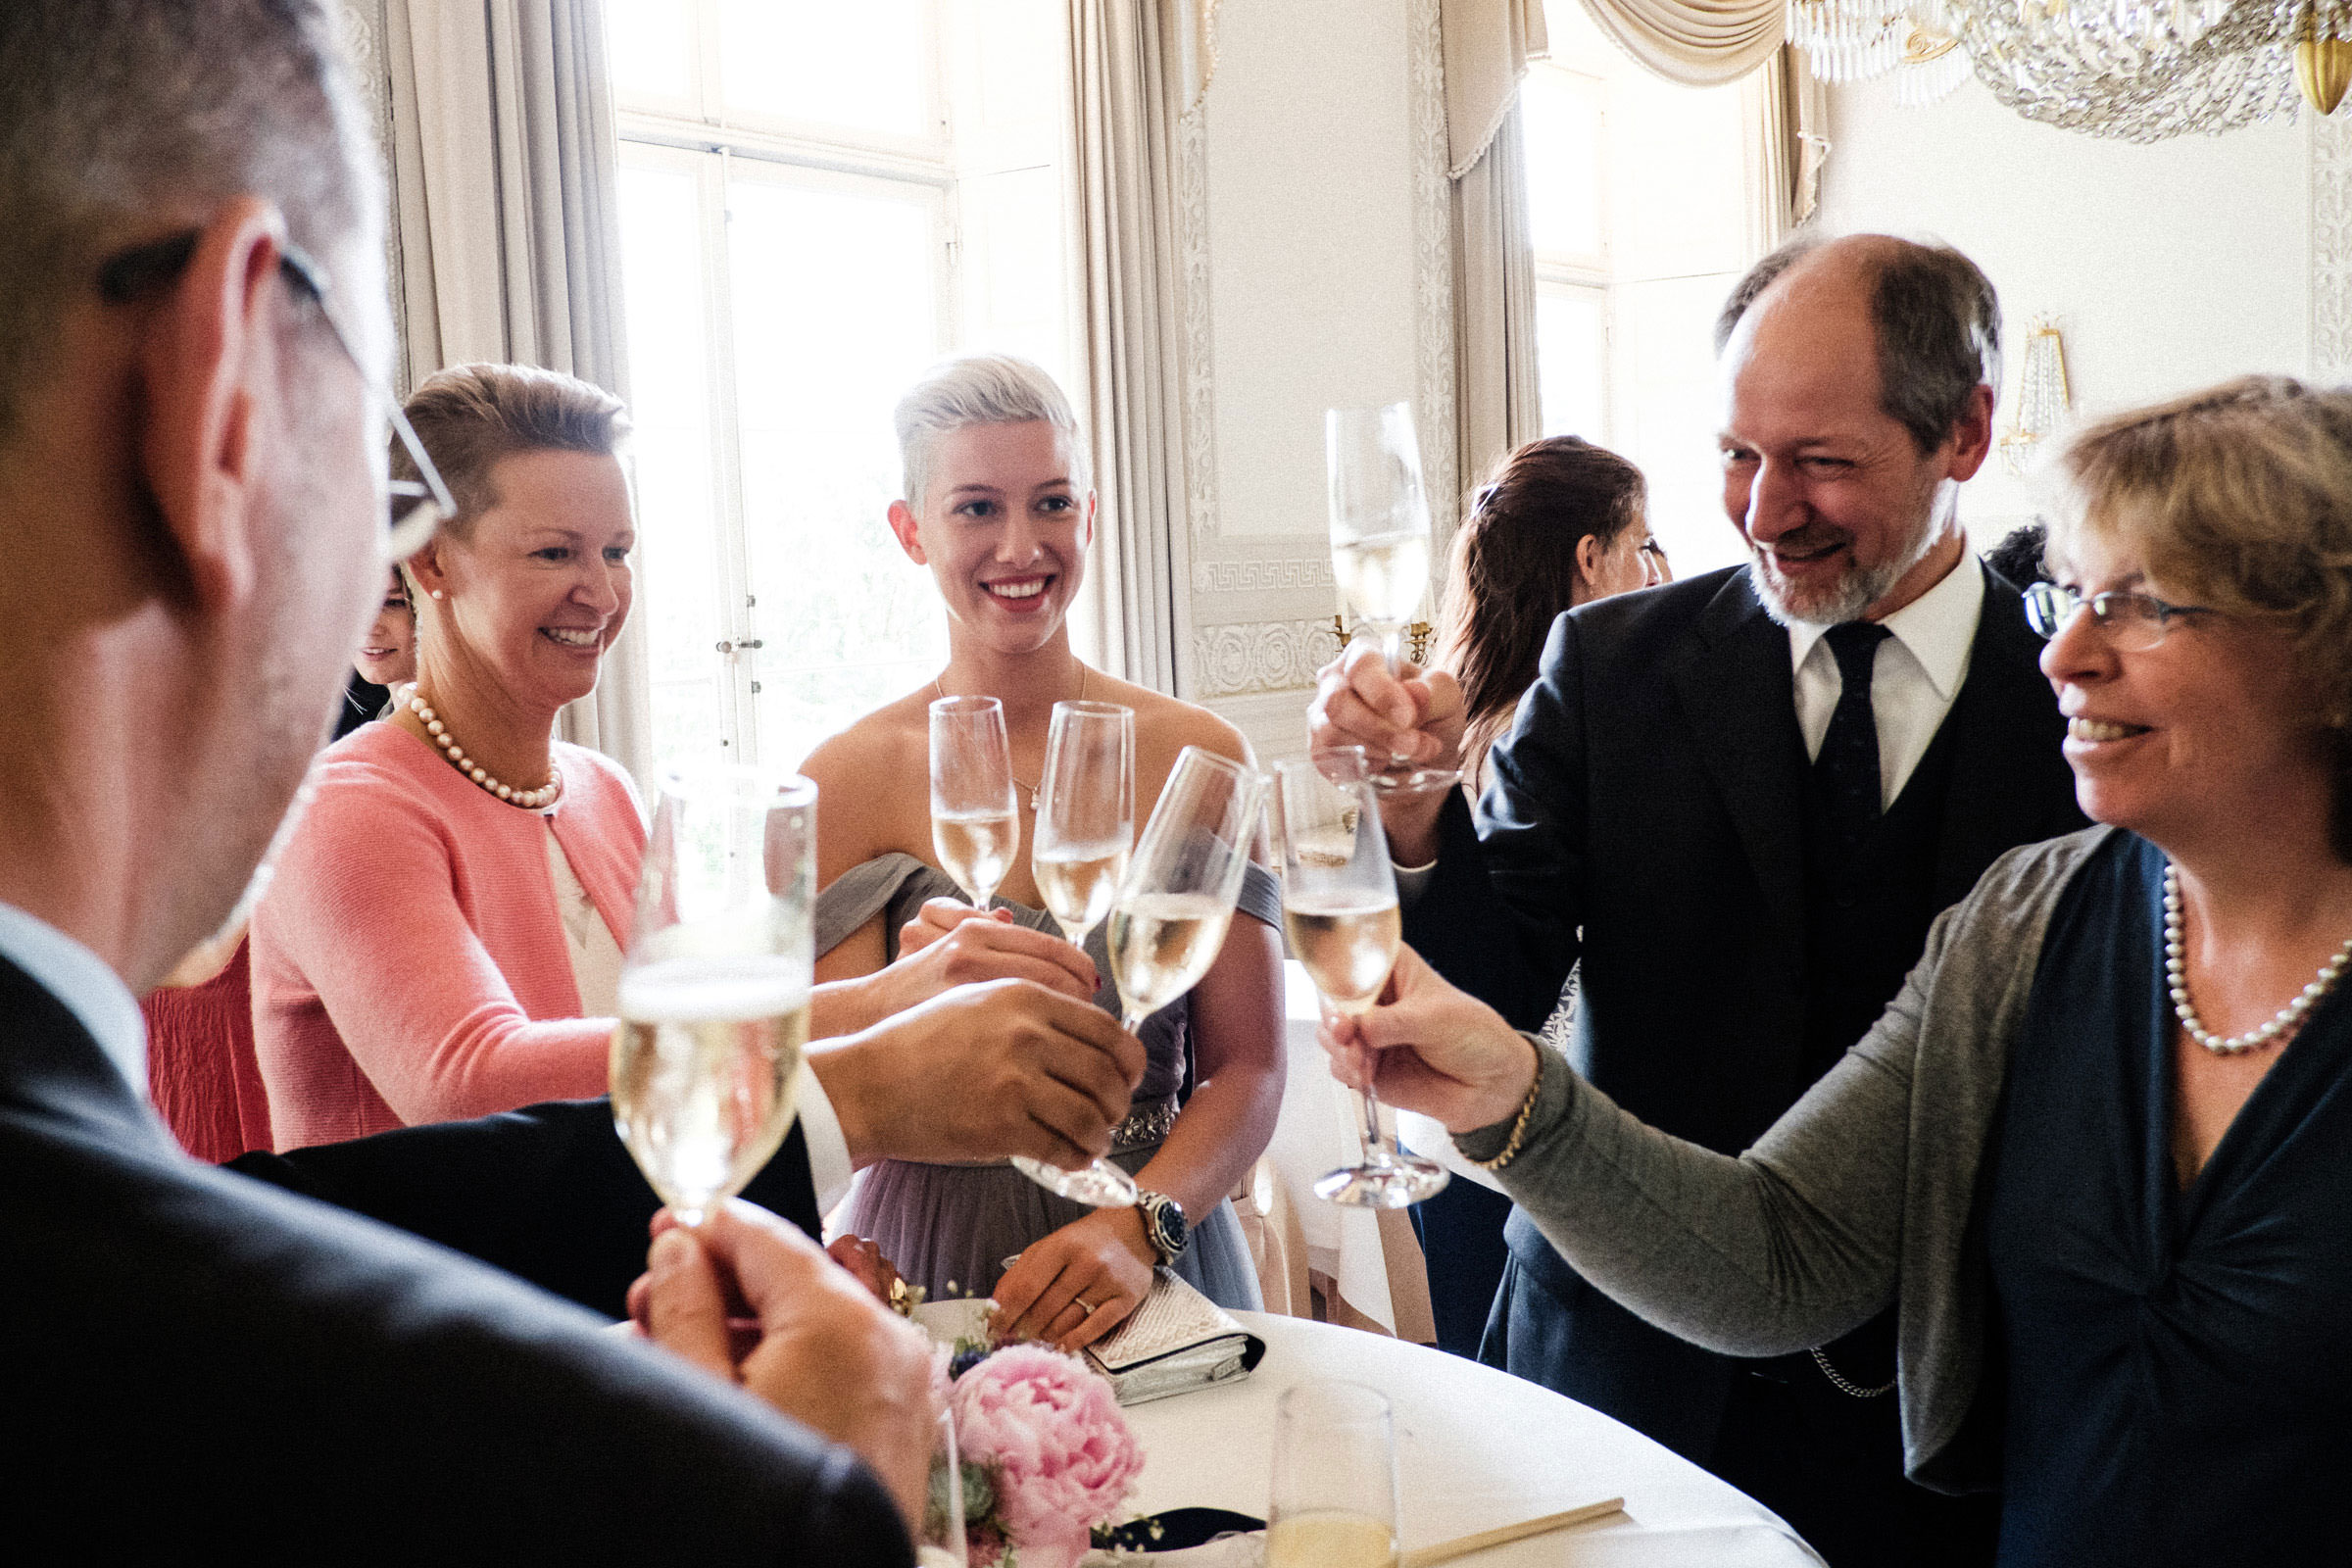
[(200, 1358), (1651, 793), (546, 1193)]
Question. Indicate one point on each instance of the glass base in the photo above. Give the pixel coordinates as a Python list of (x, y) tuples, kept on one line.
[(1384, 1183), (1101, 1184), (1405, 779)]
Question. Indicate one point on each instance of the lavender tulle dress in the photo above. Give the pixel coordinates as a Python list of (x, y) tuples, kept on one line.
[(949, 1228)]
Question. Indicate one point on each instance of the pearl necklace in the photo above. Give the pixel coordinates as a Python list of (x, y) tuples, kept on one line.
[(1016, 778), (2282, 1024), (537, 800)]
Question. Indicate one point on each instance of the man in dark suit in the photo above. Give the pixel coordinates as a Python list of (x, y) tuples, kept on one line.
[(1740, 801), (191, 318)]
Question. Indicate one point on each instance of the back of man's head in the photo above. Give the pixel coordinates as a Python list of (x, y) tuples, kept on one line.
[(119, 115), (1934, 311)]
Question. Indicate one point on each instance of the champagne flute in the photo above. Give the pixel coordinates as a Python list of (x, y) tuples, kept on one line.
[(1379, 541), (973, 828), (714, 986), (1085, 813), (1169, 919), (1338, 908), (1334, 1500)]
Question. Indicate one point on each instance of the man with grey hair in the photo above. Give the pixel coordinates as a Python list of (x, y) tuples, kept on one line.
[(1740, 801), (191, 483)]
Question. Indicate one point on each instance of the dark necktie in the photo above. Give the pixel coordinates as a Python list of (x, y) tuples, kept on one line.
[(1845, 775)]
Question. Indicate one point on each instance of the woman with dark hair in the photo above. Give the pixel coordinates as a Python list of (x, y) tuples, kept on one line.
[(1562, 523)]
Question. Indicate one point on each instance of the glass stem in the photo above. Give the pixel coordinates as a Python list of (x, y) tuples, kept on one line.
[(1376, 1142), (1392, 646)]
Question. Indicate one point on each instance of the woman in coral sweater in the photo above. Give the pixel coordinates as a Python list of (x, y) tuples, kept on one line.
[(443, 937)]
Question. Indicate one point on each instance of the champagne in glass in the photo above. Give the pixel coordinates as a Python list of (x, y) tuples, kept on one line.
[(715, 984), (1339, 911), (1085, 813), (1334, 1500), (1169, 919), (1379, 541), (973, 829)]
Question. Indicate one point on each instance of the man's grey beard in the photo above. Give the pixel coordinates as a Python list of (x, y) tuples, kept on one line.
[(1860, 588)]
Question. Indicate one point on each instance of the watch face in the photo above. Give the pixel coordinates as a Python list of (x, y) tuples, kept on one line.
[(1168, 1226)]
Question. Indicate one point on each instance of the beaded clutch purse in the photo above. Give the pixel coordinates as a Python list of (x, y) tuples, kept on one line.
[(1177, 1341)]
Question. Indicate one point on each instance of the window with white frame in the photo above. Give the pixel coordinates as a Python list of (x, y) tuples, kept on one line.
[(1639, 216), (814, 203)]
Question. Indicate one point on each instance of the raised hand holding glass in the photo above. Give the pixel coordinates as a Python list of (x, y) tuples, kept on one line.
[(714, 986), (1339, 911)]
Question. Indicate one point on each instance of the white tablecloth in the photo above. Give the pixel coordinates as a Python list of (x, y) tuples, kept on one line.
[(1476, 1448)]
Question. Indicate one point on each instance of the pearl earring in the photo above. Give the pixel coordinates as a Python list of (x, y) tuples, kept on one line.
[(438, 594)]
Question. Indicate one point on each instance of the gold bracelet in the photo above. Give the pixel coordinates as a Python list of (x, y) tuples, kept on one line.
[(1527, 1108)]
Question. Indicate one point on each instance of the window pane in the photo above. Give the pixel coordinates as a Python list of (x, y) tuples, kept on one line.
[(650, 45), (857, 66), (677, 526), (1570, 362), (1562, 130), (835, 312)]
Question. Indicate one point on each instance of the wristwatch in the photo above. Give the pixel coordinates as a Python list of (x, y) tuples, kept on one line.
[(1164, 1226)]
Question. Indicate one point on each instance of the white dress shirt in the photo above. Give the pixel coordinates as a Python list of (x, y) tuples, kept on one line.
[(595, 974), (1916, 673), (82, 982)]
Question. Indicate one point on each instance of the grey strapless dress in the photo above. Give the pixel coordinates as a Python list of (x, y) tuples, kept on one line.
[(949, 1228)]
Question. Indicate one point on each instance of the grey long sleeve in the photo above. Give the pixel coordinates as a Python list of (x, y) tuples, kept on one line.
[(1858, 1195)]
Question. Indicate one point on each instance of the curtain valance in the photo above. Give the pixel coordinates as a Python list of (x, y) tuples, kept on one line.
[(1698, 43)]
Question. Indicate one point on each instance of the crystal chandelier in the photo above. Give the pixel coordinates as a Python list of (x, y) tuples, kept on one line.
[(2136, 70)]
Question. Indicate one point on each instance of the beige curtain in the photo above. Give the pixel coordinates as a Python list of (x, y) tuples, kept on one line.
[(1138, 66), (505, 172), (1499, 406), (1496, 402), (1700, 43)]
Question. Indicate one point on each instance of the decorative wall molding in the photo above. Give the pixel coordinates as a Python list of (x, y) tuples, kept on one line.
[(1269, 656), (1200, 370), (2330, 247), (1250, 576), (1433, 274), (364, 33)]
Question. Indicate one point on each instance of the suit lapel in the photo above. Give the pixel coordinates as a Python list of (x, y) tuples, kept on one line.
[(1733, 680), (49, 1063), (2009, 780)]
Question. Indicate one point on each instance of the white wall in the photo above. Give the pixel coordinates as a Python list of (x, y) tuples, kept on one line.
[(1315, 226), (2169, 266)]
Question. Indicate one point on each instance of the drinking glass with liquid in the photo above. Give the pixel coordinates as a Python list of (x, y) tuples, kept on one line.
[(1380, 542), (1085, 813), (714, 986), (973, 828), (1340, 911), (1168, 919), (1334, 1498)]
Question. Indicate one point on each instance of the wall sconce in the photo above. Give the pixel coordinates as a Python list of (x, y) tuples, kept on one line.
[(1416, 637), (2042, 397)]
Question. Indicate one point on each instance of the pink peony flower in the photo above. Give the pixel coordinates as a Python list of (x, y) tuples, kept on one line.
[(1050, 1429)]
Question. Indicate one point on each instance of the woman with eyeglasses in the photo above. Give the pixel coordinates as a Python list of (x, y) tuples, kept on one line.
[(2099, 1149)]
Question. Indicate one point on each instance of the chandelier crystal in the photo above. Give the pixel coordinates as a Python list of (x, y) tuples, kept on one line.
[(2134, 70)]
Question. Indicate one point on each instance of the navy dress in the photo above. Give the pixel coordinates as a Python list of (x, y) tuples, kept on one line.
[(2179, 1364)]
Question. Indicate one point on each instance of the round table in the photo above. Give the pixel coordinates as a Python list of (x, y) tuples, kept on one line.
[(1475, 1448)]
